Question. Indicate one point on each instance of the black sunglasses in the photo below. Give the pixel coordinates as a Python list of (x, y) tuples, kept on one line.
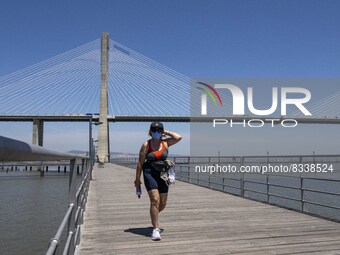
[(156, 129)]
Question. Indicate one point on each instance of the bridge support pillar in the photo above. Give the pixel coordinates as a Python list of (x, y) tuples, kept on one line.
[(38, 132), (38, 139), (103, 129)]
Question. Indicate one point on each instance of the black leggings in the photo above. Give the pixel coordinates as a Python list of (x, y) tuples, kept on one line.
[(153, 180)]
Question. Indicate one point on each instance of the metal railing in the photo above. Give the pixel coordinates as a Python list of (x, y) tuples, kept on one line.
[(294, 191), (74, 214), (14, 150)]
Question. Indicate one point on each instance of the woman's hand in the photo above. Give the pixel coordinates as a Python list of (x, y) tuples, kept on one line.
[(137, 182), (174, 137)]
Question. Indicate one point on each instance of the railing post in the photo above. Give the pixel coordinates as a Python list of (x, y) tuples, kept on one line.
[(92, 159), (302, 194), (242, 177), (267, 184), (72, 200), (267, 178), (83, 168), (209, 163), (189, 167), (301, 187)]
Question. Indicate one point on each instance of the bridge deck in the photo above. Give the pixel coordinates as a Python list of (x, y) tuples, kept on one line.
[(197, 220)]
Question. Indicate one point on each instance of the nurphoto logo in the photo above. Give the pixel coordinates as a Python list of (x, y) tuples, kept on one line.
[(238, 106)]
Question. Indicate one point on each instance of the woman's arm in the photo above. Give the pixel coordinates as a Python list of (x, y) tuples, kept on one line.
[(140, 163), (175, 138)]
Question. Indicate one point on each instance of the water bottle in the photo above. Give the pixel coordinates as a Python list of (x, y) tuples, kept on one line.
[(138, 191)]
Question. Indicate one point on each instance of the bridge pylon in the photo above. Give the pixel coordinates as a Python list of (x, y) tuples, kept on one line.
[(38, 132), (103, 129)]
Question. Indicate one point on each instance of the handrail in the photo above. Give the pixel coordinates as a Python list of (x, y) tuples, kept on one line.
[(15, 150), (259, 156)]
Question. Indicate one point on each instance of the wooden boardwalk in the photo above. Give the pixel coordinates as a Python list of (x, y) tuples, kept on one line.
[(196, 220)]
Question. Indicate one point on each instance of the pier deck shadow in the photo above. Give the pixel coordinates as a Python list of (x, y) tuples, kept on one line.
[(196, 220)]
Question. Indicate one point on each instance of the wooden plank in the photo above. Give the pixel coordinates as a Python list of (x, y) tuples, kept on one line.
[(196, 220)]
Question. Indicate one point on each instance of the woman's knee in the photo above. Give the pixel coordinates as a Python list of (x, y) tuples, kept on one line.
[(162, 205), (155, 201), (154, 198)]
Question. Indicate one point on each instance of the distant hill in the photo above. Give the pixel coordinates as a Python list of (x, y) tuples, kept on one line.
[(123, 155), (115, 154), (78, 152)]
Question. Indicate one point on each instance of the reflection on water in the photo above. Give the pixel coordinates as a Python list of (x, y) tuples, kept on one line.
[(32, 208)]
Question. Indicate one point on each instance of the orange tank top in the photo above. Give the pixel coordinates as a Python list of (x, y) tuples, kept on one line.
[(152, 155)]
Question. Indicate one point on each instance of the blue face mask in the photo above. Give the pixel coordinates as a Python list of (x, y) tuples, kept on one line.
[(156, 134)]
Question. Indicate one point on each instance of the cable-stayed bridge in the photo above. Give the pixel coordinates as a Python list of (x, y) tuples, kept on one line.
[(103, 81), (100, 77)]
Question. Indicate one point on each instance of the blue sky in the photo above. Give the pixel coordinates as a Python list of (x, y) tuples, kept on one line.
[(201, 38), (197, 38)]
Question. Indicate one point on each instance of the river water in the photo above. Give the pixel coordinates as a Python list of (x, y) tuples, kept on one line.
[(32, 208)]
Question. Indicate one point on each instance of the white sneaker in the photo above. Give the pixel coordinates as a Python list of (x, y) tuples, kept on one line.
[(156, 236)]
